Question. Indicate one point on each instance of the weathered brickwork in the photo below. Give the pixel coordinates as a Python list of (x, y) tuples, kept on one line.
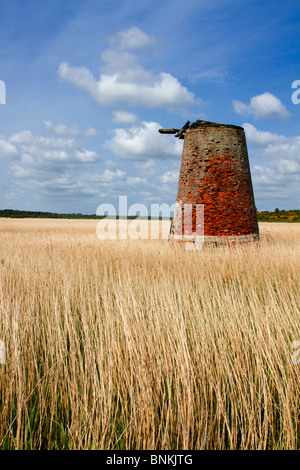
[(215, 172)]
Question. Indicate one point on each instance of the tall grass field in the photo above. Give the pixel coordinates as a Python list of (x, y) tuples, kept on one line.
[(132, 344)]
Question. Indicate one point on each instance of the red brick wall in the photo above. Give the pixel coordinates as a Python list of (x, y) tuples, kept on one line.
[(215, 172)]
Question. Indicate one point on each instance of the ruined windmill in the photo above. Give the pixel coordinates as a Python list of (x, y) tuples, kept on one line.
[(215, 174)]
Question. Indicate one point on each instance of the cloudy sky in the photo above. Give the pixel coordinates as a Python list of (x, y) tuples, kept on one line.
[(88, 84)]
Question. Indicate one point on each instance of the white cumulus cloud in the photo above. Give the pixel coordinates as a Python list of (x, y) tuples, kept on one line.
[(262, 106), (170, 177), (39, 158), (132, 38), (276, 170), (164, 91), (63, 130), (141, 142), (262, 138), (124, 117), (7, 149), (42, 149), (124, 81)]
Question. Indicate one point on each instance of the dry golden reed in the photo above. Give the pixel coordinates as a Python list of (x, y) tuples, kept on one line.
[(130, 344)]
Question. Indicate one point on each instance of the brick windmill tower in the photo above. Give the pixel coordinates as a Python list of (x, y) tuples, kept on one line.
[(215, 183)]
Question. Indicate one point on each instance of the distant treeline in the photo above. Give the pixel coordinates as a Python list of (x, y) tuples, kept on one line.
[(15, 214), (264, 216), (279, 216)]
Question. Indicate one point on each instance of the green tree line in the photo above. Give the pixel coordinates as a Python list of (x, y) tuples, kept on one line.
[(17, 214), (263, 216)]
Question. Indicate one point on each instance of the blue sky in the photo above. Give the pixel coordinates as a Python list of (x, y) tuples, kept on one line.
[(89, 83)]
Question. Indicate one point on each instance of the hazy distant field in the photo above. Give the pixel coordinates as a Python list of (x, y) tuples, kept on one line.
[(130, 344)]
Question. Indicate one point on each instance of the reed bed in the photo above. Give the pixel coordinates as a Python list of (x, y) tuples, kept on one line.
[(130, 344)]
